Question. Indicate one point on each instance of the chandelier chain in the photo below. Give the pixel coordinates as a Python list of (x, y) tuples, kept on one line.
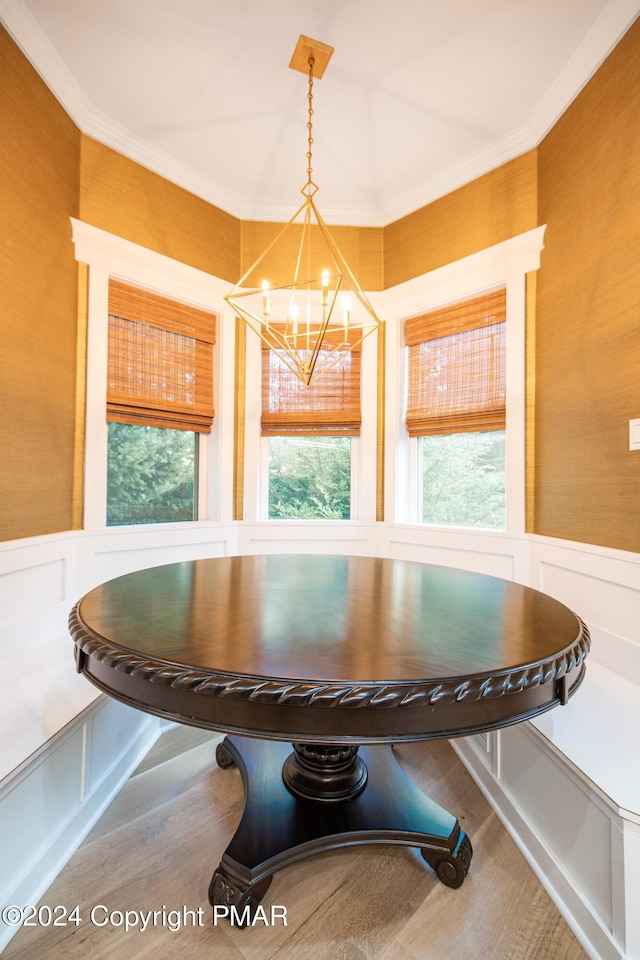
[(310, 123)]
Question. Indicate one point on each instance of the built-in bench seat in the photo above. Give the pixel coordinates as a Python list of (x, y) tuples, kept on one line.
[(598, 734), (65, 754), (567, 787), (43, 695)]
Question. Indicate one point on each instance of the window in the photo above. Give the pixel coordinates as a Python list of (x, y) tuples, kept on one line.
[(151, 474), (310, 478), (463, 479), (309, 430), (456, 408), (159, 399)]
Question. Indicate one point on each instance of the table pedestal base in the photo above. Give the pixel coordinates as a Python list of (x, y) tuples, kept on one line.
[(295, 806)]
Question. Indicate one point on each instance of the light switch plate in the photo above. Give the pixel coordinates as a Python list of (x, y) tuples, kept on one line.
[(634, 434)]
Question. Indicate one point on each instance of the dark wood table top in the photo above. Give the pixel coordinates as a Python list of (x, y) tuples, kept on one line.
[(329, 648)]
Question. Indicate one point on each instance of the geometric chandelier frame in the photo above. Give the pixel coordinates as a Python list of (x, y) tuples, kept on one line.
[(301, 285)]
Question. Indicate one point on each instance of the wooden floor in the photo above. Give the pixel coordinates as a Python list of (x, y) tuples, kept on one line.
[(158, 844)]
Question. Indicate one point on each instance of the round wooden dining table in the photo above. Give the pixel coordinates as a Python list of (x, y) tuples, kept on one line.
[(314, 666)]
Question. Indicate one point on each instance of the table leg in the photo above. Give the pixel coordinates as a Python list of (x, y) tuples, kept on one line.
[(321, 797)]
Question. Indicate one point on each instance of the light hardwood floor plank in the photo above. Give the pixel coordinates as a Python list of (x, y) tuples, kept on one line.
[(159, 842)]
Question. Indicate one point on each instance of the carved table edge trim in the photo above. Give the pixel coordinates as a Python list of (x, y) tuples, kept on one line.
[(328, 694)]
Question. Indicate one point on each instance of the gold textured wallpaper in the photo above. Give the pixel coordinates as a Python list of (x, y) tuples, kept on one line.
[(39, 190), (587, 481), (362, 248), (495, 207), (121, 197)]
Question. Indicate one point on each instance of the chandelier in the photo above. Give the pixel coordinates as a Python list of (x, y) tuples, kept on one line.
[(301, 288)]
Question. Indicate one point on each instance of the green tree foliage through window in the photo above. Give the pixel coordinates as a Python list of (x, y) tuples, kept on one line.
[(151, 474), (310, 478), (463, 479)]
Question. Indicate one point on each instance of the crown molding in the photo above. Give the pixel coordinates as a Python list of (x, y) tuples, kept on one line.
[(607, 31), (26, 33), (121, 140), (605, 34), (612, 24)]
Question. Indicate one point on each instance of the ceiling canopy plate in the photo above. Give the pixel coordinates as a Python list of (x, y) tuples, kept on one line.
[(305, 48)]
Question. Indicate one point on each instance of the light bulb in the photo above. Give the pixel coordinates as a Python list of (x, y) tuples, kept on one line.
[(266, 309), (325, 287), (345, 300)]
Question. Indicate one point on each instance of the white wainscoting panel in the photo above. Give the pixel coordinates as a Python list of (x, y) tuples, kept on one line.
[(491, 553), (294, 536), (50, 802), (603, 587), (117, 551), (35, 588)]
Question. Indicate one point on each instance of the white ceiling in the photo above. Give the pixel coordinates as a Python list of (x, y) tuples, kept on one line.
[(419, 97)]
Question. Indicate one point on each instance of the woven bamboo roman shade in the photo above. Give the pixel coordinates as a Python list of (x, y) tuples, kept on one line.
[(160, 370), (329, 406), (457, 367)]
